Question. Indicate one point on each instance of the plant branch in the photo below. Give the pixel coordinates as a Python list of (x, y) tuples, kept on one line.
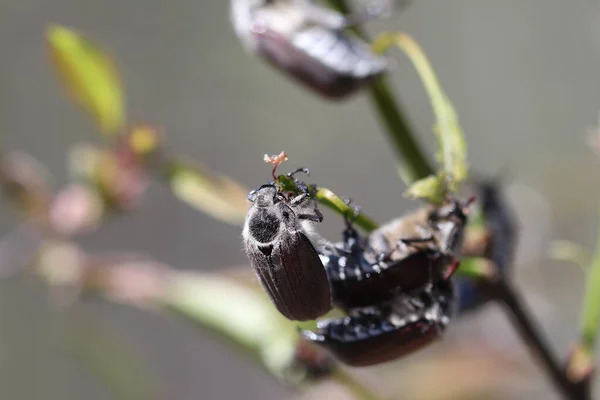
[(415, 165), (580, 364), (503, 292), (332, 201)]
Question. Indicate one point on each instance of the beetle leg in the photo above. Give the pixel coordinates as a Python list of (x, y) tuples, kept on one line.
[(297, 171), (316, 217), (351, 217), (385, 256), (350, 235), (301, 198), (411, 241), (301, 185)]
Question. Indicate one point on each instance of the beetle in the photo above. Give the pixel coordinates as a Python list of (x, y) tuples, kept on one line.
[(309, 43), (403, 255), (280, 244), (381, 333)]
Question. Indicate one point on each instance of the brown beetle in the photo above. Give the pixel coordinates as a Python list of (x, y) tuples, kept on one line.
[(402, 256), (281, 248), (308, 42), (381, 333)]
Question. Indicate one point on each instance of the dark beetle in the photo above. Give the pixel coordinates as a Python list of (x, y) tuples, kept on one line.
[(308, 42), (402, 256), (381, 333), (280, 245)]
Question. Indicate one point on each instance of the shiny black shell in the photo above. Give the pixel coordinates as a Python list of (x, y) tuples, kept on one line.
[(331, 63), (367, 283), (359, 278), (379, 334)]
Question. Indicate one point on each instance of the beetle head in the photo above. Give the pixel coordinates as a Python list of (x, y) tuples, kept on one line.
[(265, 195)]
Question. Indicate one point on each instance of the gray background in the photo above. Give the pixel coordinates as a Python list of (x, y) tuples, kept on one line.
[(524, 77)]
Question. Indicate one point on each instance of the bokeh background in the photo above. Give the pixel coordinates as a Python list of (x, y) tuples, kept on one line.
[(525, 80)]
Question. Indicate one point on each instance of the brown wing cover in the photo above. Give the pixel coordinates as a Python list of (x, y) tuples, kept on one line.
[(282, 54), (295, 281), (388, 346)]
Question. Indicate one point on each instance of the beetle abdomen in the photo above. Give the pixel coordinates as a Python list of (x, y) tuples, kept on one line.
[(330, 62), (379, 334), (360, 284), (293, 276)]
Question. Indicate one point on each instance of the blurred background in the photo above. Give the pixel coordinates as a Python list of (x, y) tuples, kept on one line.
[(523, 76)]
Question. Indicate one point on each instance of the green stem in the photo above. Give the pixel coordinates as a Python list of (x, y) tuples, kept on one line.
[(590, 317), (333, 202), (580, 364), (415, 165), (533, 336)]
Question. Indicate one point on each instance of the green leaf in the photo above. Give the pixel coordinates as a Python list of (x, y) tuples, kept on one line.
[(431, 188), (216, 195), (477, 268), (89, 75), (590, 314), (452, 144), (243, 315)]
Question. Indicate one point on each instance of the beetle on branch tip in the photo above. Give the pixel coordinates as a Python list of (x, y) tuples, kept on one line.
[(282, 245), (309, 42)]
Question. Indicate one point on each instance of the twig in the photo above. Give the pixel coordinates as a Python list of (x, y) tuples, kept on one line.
[(416, 167), (503, 292)]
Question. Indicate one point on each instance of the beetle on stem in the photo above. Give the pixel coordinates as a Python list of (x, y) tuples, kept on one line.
[(308, 42), (280, 243), (376, 334), (402, 256)]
